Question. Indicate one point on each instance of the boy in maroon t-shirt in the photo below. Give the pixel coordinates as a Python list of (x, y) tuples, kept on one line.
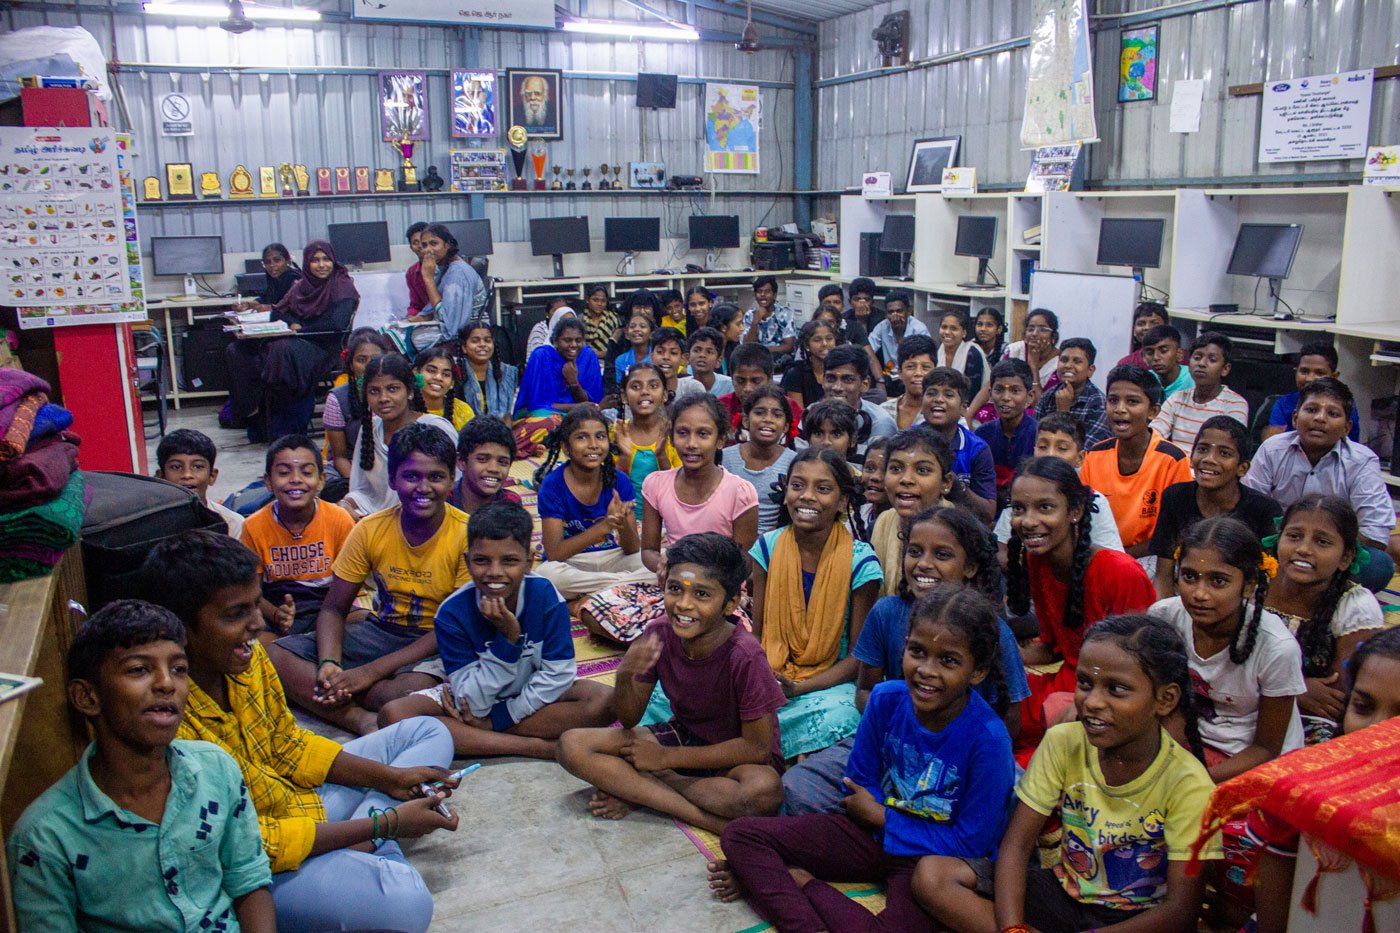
[(750, 367)]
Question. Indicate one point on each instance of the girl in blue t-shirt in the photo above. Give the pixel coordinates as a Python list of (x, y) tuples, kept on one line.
[(931, 774), (590, 537)]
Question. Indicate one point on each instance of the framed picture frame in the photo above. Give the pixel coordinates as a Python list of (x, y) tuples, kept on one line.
[(1137, 64), (403, 105), (930, 156), (474, 107), (536, 102)]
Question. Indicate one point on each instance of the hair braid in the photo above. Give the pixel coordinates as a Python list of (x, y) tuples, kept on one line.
[(1315, 635), (1018, 578), (553, 441), (1250, 629), (1079, 571)]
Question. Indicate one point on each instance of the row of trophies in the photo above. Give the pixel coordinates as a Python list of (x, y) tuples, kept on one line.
[(539, 157), (284, 181)]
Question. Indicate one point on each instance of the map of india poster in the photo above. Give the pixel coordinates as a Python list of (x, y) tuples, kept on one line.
[(733, 118)]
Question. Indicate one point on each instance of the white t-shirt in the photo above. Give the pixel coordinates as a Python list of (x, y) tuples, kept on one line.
[(369, 489), (1103, 530), (1227, 694), (232, 518)]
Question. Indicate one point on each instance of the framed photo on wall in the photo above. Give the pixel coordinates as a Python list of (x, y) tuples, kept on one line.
[(403, 105), (536, 101), (474, 105), (1137, 64), (928, 160)]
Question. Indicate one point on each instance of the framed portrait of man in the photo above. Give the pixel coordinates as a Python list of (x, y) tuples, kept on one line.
[(536, 102)]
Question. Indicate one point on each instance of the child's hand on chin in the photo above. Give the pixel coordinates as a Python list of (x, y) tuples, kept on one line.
[(495, 610), (640, 658)]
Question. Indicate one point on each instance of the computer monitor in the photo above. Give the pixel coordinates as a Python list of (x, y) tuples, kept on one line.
[(250, 283), (898, 237), (977, 237), (1131, 241), (555, 236), (359, 243), (473, 236), (1266, 251), (253, 265), (631, 235), (188, 256), (713, 232)]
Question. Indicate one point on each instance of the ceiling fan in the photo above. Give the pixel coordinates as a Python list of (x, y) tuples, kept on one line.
[(748, 42), (238, 21)]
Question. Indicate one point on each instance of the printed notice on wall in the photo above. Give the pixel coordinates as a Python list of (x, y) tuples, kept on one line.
[(505, 13), (1314, 118), (61, 219)]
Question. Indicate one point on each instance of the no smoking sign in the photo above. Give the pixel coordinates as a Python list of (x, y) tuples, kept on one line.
[(175, 119)]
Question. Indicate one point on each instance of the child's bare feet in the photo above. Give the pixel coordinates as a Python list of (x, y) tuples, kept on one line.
[(723, 884), (607, 807)]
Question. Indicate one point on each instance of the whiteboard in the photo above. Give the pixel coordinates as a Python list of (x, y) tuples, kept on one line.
[(1099, 307)]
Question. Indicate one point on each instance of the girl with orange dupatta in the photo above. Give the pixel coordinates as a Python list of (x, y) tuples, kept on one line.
[(813, 584)]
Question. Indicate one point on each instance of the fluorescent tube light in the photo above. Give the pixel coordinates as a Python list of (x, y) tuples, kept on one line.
[(218, 11), (674, 32)]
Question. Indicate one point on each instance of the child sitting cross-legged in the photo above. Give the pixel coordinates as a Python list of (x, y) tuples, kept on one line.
[(147, 831), (329, 814), (930, 775), (507, 650), (720, 755), (1184, 412)]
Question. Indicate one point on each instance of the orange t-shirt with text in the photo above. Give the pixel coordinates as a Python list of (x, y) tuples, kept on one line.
[(1136, 499)]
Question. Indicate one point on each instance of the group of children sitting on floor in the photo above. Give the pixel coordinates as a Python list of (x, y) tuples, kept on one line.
[(864, 642)]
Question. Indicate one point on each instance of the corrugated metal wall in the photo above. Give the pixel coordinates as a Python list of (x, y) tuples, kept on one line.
[(331, 119), (981, 98)]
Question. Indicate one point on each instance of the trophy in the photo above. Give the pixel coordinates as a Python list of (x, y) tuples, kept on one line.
[(383, 180), (556, 185), (408, 172), (179, 181), (517, 139), (240, 183), (303, 180), (571, 186), (617, 177), (284, 174), (151, 188), (537, 158), (209, 186), (323, 180), (267, 181), (604, 184), (587, 185)]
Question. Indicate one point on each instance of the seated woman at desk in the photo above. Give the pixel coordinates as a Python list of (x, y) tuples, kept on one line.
[(558, 376), (456, 294), (283, 371), (282, 274)]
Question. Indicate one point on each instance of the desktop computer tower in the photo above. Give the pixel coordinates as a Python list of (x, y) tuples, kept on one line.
[(202, 365), (874, 262)]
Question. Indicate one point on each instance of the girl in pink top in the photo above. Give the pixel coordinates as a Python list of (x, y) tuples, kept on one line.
[(700, 495)]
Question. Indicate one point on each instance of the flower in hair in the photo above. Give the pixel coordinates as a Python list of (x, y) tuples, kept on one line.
[(1359, 562), (1269, 564)]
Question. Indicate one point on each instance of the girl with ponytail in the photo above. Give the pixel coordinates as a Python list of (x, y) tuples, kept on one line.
[(1054, 567)]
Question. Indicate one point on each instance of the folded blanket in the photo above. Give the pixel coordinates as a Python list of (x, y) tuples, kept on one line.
[(54, 524), (50, 420), (16, 437), (15, 384), (39, 474)]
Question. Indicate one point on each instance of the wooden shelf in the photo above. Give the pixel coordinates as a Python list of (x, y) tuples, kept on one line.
[(384, 195)]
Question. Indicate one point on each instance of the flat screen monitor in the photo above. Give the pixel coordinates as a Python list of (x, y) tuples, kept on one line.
[(656, 91), (554, 236), (253, 265), (631, 234), (360, 242), (1265, 250), (714, 231), (898, 236), (473, 236), (977, 236), (1133, 242), (187, 255)]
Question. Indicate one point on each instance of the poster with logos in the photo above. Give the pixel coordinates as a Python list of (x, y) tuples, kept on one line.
[(133, 309), (1315, 118), (505, 13)]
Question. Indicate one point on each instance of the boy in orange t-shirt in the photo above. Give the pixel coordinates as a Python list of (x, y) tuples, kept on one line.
[(1135, 465), (296, 537)]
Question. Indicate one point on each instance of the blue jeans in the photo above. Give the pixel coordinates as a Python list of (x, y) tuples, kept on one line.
[(352, 890), (1375, 576)]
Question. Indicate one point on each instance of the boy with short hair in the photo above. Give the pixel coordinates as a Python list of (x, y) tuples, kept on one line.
[(767, 322), (862, 310), (667, 355), (508, 650), (848, 378), (1135, 466), (946, 394), (1060, 435), (899, 322), (296, 536), (1147, 315), (1011, 438), (1076, 394), (146, 831), (485, 452), (752, 366), (705, 346), (1161, 348), (415, 553), (329, 814), (1184, 412), (186, 457), (417, 289), (1315, 361), (672, 310)]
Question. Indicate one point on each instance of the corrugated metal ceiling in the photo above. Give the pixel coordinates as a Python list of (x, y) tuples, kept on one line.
[(814, 10)]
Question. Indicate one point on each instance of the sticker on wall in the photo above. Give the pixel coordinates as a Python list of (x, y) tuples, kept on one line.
[(733, 120)]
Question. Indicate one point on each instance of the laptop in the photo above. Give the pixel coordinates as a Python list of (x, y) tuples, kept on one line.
[(250, 283)]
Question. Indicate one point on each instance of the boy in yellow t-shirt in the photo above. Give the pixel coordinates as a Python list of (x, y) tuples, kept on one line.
[(415, 556)]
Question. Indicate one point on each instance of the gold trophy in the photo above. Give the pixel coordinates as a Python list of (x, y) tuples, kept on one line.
[(303, 180), (383, 180), (210, 187), (408, 172), (284, 175), (617, 177), (517, 139), (571, 185), (240, 183), (604, 184), (537, 159), (587, 185), (267, 181), (557, 185)]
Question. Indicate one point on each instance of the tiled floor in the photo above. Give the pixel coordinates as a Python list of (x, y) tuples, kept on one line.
[(527, 855)]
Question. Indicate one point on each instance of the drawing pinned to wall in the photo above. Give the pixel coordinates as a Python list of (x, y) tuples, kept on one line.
[(1137, 64), (474, 104), (403, 105), (733, 119)]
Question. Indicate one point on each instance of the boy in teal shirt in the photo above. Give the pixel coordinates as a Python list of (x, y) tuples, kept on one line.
[(146, 832), (1161, 348)]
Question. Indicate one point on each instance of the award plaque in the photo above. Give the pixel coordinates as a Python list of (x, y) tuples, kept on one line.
[(240, 183), (284, 174), (383, 180), (342, 180), (179, 181), (361, 179), (150, 188), (323, 180), (267, 181), (209, 186), (303, 178), (517, 139)]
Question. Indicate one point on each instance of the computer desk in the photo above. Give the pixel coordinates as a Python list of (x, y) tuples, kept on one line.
[(190, 305)]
